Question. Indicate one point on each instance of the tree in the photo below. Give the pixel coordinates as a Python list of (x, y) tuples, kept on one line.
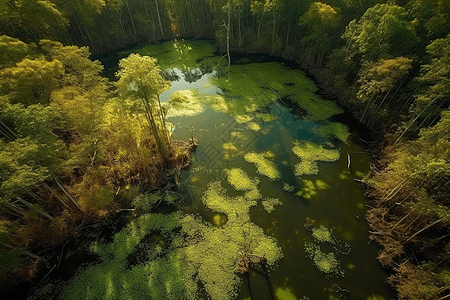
[(321, 19), (140, 79)]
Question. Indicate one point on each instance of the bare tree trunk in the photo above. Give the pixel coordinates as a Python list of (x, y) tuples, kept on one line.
[(159, 19), (131, 18)]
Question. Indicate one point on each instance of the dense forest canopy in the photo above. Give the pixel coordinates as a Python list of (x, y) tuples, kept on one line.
[(69, 138)]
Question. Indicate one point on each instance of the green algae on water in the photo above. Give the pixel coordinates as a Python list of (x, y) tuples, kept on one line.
[(309, 153), (334, 130), (322, 234), (284, 294), (269, 204), (326, 263), (311, 188), (254, 86), (263, 165), (240, 180), (185, 103), (287, 187)]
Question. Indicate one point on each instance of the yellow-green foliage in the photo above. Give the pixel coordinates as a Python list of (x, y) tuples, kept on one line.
[(177, 54), (263, 164), (185, 103), (326, 263), (309, 153), (334, 130), (284, 294), (310, 188), (240, 180), (322, 234), (269, 204), (253, 86)]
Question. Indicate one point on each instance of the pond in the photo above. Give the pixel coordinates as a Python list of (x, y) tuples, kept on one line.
[(270, 194)]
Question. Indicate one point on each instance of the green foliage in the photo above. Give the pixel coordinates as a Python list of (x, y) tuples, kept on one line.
[(185, 103), (12, 51), (263, 165)]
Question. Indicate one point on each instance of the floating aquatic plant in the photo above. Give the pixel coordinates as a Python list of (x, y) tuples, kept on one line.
[(322, 234), (146, 202), (326, 263), (252, 195), (240, 180), (269, 204), (185, 103), (334, 130), (311, 151), (306, 167), (253, 126), (287, 187), (311, 188), (284, 294), (264, 166), (248, 90)]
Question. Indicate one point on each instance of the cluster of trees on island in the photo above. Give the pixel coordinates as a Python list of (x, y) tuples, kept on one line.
[(62, 124)]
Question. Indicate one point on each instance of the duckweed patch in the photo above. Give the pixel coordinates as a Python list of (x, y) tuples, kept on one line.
[(248, 90), (269, 204), (309, 153), (185, 103), (263, 165), (334, 130), (322, 234), (240, 180), (326, 263), (252, 195), (287, 187)]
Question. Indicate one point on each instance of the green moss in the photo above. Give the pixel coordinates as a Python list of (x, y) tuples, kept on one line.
[(264, 166), (240, 180), (183, 55), (185, 103), (334, 130), (269, 204)]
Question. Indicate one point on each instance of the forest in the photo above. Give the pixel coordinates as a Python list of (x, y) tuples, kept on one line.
[(73, 142)]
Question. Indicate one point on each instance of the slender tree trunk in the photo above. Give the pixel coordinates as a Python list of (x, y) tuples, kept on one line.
[(423, 229), (29, 205), (131, 18), (159, 19)]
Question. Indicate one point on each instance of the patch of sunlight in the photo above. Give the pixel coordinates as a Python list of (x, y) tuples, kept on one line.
[(263, 165), (333, 130), (185, 103), (326, 263), (240, 180), (243, 119), (219, 220), (269, 204), (359, 174), (344, 175), (375, 297), (311, 188), (284, 294), (253, 126)]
